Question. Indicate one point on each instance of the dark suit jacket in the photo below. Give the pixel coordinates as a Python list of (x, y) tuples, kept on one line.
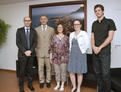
[(21, 41)]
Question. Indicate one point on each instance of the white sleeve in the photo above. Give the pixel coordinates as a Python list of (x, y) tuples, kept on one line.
[(87, 41), (70, 40)]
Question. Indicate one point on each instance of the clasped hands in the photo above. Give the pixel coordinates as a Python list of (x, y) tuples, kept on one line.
[(28, 53), (97, 49)]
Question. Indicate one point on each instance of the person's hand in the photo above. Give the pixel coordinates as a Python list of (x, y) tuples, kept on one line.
[(51, 60), (28, 53), (95, 49), (99, 49)]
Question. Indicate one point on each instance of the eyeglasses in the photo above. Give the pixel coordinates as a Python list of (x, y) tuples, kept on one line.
[(27, 20), (76, 24), (59, 27)]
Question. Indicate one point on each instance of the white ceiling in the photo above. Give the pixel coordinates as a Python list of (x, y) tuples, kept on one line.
[(13, 1)]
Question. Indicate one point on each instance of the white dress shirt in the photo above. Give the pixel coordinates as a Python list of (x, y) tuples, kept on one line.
[(42, 27), (26, 29)]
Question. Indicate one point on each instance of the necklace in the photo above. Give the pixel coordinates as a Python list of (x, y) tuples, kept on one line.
[(60, 36)]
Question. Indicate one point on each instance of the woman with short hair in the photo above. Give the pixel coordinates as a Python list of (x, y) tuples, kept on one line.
[(59, 49)]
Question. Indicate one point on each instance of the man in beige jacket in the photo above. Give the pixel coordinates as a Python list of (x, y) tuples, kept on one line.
[(44, 33)]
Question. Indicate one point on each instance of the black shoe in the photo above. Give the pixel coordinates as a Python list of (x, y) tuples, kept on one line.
[(41, 85), (21, 90), (48, 85), (31, 87)]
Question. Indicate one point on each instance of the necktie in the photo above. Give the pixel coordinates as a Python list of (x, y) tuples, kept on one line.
[(27, 37), (43, 28)]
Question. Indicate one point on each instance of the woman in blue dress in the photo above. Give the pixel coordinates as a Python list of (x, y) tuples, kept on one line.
[(77, 64)]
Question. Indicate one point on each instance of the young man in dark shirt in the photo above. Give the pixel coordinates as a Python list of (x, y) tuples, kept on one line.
[(102, 34)]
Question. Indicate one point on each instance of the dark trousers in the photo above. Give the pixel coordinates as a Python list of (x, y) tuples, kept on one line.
[(26, 64), (101, 66)]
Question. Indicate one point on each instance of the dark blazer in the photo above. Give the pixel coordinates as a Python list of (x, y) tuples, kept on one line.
[(21, 41)]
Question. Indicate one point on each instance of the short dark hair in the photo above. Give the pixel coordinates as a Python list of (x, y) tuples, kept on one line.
[(100, 6), (43, 15), (77, 20)]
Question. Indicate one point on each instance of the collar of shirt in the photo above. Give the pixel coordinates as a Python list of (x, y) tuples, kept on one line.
[(101, 20), (78, 34), (45, 27), (26, 29)]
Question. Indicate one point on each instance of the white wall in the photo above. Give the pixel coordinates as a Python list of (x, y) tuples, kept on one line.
[(13, 14)]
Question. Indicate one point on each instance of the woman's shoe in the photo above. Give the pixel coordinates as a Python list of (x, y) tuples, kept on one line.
[(78, 90), (56, 88), (73, 90), (62, 89)]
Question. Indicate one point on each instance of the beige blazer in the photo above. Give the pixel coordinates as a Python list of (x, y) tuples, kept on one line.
[(43, 41)]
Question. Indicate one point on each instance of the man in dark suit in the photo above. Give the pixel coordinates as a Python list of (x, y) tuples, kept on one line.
[(26, 40)]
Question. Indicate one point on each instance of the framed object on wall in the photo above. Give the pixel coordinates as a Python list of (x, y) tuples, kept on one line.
[(64, 12)]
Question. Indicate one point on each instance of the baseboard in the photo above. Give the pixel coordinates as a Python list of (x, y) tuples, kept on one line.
[(7, 70)]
